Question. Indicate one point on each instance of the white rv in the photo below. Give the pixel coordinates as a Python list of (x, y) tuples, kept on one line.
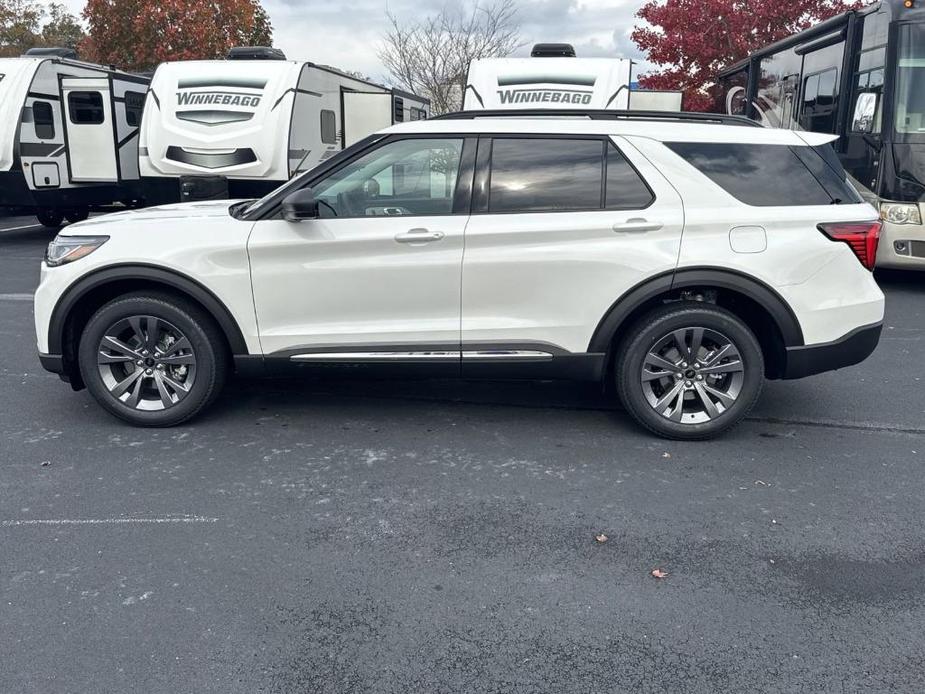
[(546, 81), (68, 135), (551, 78), (242, 126)]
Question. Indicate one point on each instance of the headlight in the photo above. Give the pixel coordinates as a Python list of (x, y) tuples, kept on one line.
[(67, 249), (900, 213)]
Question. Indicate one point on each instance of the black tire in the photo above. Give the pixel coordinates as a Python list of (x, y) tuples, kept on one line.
[(644, 384), (50, 217), (77, 214), (206, 355)]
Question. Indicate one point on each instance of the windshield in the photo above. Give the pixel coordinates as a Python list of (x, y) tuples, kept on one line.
[(910, 80)]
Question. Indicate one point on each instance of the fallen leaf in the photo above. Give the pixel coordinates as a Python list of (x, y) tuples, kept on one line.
[(658, 573), (601, 538)]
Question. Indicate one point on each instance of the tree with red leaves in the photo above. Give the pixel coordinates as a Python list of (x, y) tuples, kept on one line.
[(139, 34), (692, 40)]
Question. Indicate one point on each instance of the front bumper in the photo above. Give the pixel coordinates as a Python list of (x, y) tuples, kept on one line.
[(849, 350), (902, 246)]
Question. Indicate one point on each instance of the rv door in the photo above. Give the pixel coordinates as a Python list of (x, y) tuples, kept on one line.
[(365, 113), (90, 133)]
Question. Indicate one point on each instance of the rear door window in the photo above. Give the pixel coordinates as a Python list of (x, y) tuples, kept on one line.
[(625, 188), (545, 175), (769, 175)]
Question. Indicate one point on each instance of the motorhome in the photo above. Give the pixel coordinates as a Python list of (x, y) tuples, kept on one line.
[(860, 76), (240, 127), (68, 135)]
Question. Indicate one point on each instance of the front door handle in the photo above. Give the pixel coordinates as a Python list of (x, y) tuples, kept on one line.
[(637, 225), (419, 236)]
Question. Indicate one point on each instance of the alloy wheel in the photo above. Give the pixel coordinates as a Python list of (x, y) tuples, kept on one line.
[(146, 363), (692, 375)]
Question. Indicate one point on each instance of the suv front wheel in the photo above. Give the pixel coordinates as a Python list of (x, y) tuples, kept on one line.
[(689, 371), (152, 360)]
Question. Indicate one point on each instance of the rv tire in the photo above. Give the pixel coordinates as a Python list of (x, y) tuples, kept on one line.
[(50, 217), (76, 214)]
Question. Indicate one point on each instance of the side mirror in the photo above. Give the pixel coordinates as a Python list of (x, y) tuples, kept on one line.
[(300, 205)]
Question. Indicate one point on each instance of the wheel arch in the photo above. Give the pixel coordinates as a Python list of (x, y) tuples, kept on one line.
[(758, 305), (77, 304)]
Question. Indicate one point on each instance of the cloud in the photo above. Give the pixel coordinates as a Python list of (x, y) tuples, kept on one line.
[(348, 34)]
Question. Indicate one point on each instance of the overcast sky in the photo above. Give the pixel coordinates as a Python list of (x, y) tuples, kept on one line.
[(347, 34)]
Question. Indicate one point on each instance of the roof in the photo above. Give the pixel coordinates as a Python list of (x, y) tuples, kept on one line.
[(665, 131)]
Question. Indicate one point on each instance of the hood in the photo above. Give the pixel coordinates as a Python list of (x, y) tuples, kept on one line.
[(184, 211)]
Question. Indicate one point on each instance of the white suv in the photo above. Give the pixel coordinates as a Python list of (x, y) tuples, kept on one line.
[(681, 258)]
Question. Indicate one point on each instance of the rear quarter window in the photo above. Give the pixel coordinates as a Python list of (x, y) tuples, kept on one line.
[(770, 175)]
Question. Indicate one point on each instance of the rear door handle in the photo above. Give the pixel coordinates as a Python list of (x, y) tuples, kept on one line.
[(419, 236), (636, 225)]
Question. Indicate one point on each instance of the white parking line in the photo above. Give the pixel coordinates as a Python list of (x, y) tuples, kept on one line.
[(27, 226), (107, 521), (16, 297)]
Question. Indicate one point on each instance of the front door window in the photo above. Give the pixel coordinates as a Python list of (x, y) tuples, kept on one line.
[(414, 177)]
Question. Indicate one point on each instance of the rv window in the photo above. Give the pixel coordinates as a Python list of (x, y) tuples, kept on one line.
[(401, 178), (416, 113), (85, 108), (767, 175), (43, 118), (910, 80), (818, 110), (328, 127), (625, 189), (545, 175), (134, 105)]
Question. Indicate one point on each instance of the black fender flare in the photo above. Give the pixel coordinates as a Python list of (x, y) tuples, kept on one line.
[(709, 277), (79, 289)]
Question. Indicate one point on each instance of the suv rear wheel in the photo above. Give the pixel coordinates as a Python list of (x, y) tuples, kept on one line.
[(152, 360), (689, 371)]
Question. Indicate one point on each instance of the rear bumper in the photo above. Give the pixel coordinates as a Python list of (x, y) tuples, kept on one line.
[(849, 350)]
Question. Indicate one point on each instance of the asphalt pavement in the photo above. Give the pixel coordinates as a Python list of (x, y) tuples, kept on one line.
[(432, 536)]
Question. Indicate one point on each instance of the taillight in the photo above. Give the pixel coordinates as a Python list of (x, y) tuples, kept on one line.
[(861, 237)]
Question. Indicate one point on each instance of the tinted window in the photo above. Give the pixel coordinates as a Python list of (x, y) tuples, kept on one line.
[(85, 108), (406, 177), (134, 105), (328, 127), (762, 175), (545, 175), (625, 189), (44, 120), (818, 108)]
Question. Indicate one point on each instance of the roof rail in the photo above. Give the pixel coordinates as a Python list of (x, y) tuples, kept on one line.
[(683, 116)]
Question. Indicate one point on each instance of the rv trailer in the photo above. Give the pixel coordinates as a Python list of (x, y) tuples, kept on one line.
[(242, 126), (69, 135), (552, 77)]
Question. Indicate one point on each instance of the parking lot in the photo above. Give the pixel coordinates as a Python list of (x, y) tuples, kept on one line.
[(359, 536)]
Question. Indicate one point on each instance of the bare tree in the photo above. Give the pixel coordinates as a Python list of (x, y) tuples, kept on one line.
[(431, 56)]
